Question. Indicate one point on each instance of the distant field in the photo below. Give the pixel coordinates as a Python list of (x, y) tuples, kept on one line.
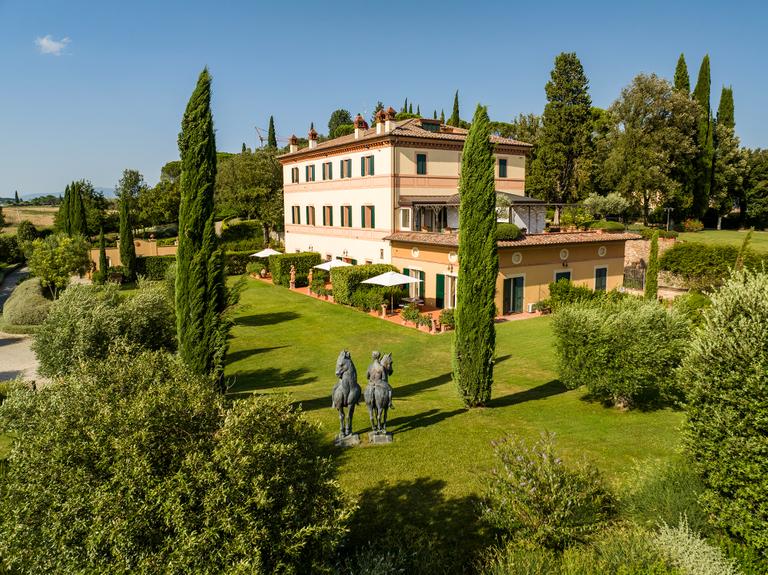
[(727, 237), (40, 216)]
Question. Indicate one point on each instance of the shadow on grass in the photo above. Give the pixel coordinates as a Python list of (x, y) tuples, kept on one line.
[(260, 319), (246, 353), (435, 534), (424, 419), (554, 387), (271, 378)]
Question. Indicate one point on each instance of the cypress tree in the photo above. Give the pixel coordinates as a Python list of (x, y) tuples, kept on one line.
[(725, 113), (442, 116), (418, 110), (103, 263), (652, 273), (682, 80), (405, 106), (410, 108), (242, 150), (199, 263), (455, 120), (16, 197), (77, 221), (127, 247), (474, 344), (703, 179), (271, 136), (434, 115), (63, 223)]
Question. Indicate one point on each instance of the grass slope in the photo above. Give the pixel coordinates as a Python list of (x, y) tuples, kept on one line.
[(727, 237)]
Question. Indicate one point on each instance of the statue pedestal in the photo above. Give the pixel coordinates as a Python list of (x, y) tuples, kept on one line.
[(350, 440), (379, 438)]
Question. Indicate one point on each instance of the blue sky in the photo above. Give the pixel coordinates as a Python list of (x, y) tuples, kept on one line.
[(113, 96)]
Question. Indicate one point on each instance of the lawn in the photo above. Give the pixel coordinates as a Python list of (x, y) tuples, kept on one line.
[(727, 237), (433, 472)]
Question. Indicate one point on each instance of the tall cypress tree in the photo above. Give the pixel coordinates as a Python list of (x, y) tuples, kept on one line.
[(434, 115), (199, 263), (77, 219), (16, 199), (410, 108), (405, 106), (103, 263), (652, 272), (725, 113), (63, 223), (455, 119), (703, 179), (130, 181), (271, 136), (442, 116), (729, 162), (418, 110), (682, 80), (474, 344)]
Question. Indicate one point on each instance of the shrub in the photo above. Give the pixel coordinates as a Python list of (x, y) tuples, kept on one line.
[(447, 319), (725, 376), (534, 496), (154, 267), (87, 320), (280, 267), (692, 305), (564, 292), (26, 232), (647, 233), (410, 313), (248, 230), (237, 262), (691, 225), (137, 465), (692, 554), (607, 226), (623, 351), (507, 232), (425, 320), (346, 280), (10, 251), (255, 268), (27, 304), (56, 258), (704, 267)]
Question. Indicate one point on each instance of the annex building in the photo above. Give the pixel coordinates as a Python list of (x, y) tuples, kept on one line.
[(389, 194)]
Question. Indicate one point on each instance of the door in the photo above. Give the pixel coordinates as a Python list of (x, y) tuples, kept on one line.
[(507, 297), (518, 292), (440, 290), (601, 279)]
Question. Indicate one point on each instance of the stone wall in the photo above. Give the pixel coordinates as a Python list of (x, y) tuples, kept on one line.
[(636, 251)]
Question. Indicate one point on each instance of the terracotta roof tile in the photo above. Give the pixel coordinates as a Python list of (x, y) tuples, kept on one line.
[(452, 239)]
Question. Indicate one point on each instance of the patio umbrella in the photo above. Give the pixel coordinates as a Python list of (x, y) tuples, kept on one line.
[(391, 279), (330, 264), (265, 253)]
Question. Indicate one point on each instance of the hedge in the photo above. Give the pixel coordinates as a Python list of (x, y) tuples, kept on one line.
[(703, 266), (508, 232), (27, 305), (236, 263), (10, 253), (647, 233), (153, 267), (280, 267), (345, 280), (607, 226)]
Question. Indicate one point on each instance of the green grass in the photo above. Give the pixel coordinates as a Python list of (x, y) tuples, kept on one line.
[(433, 472), (727, 237)]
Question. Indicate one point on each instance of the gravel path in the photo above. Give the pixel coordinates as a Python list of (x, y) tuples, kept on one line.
[(16, 356)]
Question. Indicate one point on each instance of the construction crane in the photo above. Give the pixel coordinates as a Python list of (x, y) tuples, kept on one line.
[(263, 136)]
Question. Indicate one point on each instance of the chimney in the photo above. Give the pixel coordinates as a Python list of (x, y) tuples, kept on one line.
[(312, 136), (381, 117), (389, 122), (293, 144), (360, 126)]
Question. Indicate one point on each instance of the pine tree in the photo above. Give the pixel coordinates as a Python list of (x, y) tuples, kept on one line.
[(127, 184), (474, 344), (271, 136), (455, 119), (199, 265), (682, 80), (652, 272), (77, 219), (703, 176)]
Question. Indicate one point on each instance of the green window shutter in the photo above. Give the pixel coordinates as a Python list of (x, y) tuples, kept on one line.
[(330, 214), (373, 216), (293, 215), (362, 216), (330, 170), (506, 304), (421, 284), (349, 216), (341, 216), (439, 290), (370, 165), (406, 272), (341, 168), (306, 210), (325, 223), (362, 166), (353, 262)]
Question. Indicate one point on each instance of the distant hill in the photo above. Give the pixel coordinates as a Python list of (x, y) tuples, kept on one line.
[(108, 193)]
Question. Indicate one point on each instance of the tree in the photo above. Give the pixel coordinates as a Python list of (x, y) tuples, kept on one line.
[(754, 204), (434, 115), (338, 117), (155, 471), (442, 116), (410, 108), (379, 106), (557, 172), (159, 205), (455, 119), (200, 296), (650, 136), (2, 218), (725, 377), (56, 258), (705, 135), (405, 106), (26, 232), (652, 272), (474, 344), (62, 222), (271, 136), (103, 262), (682, 81), (243, 148), (78, 223), (730, 162), (16, 199), (128, 189)]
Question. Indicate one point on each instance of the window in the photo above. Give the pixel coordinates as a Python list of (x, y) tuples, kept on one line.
[(327, 215), (295, 215), (346, 216), (502, 168), (327, 171), (345, 168), (366, 166), (368, 216), (563, 276), (310, 173), (310, 216), (421, 164), (405, 218), (601, 279), (294, 175)]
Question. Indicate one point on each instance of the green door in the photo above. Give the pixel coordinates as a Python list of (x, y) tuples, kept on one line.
[(518, 291), (601, 279), (507, 297), (421, 284), (440, 290)]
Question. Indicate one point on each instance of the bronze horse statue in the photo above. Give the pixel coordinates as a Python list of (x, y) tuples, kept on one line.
[(346, 392), (378, 392)]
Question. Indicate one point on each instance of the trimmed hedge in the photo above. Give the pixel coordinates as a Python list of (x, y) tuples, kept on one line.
[(647, 233), (280, 267), (346, 280), (236, 263), (607, 226), (153, 267), (27, 305), (703, 266), (506, 232)]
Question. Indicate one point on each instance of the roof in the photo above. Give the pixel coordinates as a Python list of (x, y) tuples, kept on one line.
[(452, 240), (403, 128)]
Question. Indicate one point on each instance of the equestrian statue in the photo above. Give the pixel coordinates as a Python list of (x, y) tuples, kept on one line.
[(346, 392), (378, 392)]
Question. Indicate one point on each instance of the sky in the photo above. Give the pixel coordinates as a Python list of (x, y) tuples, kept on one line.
[(90, 88)]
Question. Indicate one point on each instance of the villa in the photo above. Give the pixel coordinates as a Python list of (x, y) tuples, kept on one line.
[(389, 194)]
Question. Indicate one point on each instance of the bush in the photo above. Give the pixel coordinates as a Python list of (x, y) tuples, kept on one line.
[(564, 292), (137, 465), (87, 320), (507, 232), (692, 225), (624, 352), (237, 262), (255, 268), (607, 226), (154, 267), (410, 313), (56, 258), (10, 251), (26, 232), (346, 280), (704, 267), (692, 554), (369, 298), (27, 304), (725, 376), (280, 267), (647, 233), (424, 319), (447, 318), (692, 305), (534, 497), (242, 236)]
